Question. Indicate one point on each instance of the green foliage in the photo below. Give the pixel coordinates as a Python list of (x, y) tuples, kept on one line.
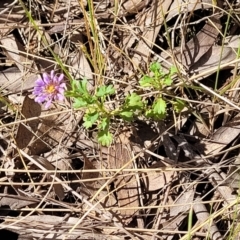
[(132, 105), (95, 111), (104, 136), (158, 110), (90, 118), (158, 81), (104, 91), (80, 94), (178, 105), (98, 114)]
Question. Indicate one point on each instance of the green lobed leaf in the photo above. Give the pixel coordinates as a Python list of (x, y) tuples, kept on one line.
[(168, 81), (74, 85), (83, 86), (105, 91), (79, 86), (159, 109), (70, 93), (90, 118), (160, 106), (105, 138), (79, 102), (173, 70), (149, 113), (155, 67), (146, 81), (104, 124), (126, 114), (110, 90), (134, 101), (179, 105)]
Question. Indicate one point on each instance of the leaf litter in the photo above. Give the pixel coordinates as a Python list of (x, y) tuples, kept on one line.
[(171, 179)]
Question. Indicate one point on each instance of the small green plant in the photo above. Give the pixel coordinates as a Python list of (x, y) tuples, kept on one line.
[(95, 105), (96, 110), (158, 81)]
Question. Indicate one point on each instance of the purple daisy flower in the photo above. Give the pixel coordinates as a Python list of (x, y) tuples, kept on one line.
[(49, 88)]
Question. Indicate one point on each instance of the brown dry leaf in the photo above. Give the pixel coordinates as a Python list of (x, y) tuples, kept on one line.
[(221, 138), (59, 158), (58, 189), (16, 202), (150, 23), (13, 80), (134, 6), (26, 132), (89, 175), (233, 175), (178, 213), (232, 41), (195, 49), (182, 6), (203, 216), (155, 180), (89, 188), (10, 79), (51, 131), (80, 66), (198, 129), (62, 25), (11, 16), (12, 50), (201, 43), (125, 184), (222, 185), (210, 61), (52, 227)]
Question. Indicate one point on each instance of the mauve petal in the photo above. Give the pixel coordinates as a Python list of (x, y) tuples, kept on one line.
[(46, 78), (37, 100), (39, 93), (60, 78), (45, 95), (40, 82), (61, 91), (52, 74), (63, 85), (36, 93), (40, 99), (55, 80), (38, 88), (47, 105), (59, 97), (56, 90), (53, 96)]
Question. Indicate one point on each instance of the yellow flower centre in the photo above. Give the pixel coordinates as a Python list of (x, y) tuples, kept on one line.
[(50, 88)]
